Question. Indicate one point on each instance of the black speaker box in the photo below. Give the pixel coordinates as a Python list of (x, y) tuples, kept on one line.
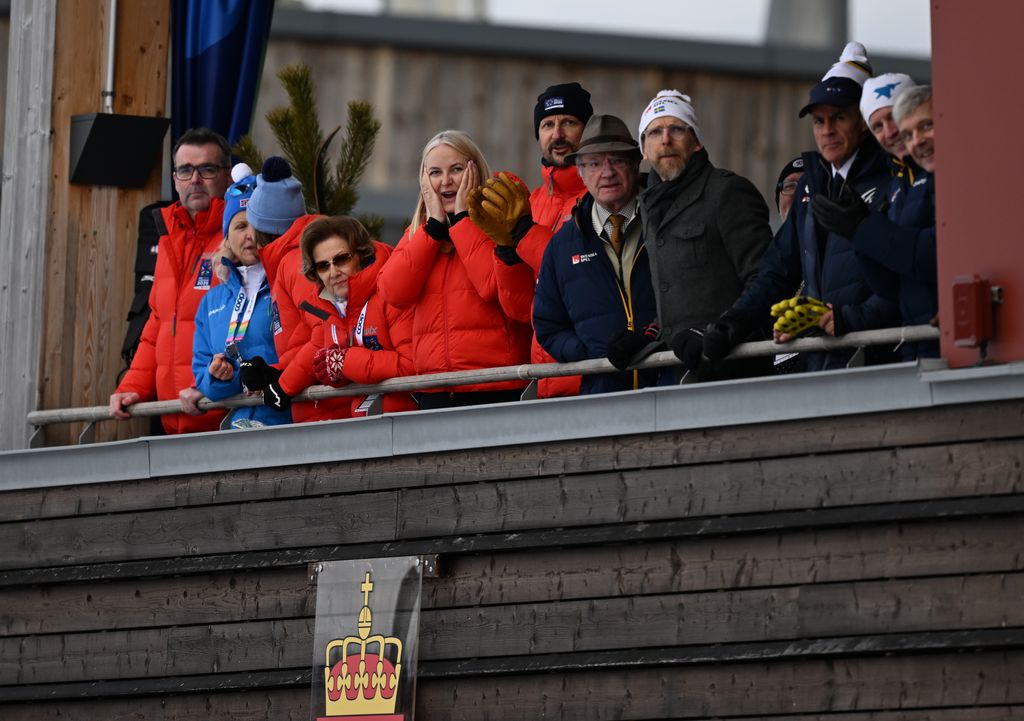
[(116, 150)]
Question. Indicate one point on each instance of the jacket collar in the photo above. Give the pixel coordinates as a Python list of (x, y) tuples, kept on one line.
[(562, 180), (273, 253), (684, 191)]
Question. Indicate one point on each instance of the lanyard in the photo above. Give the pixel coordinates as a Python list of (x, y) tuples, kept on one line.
[(359, 325), (239, 325)]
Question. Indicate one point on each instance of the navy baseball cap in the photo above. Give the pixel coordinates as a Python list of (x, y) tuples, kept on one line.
[(836, 92)]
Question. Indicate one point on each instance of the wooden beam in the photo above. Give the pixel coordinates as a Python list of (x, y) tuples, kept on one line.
[(24, 212)]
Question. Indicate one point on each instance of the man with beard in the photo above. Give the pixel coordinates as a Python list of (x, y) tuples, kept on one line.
[(705, 230), (521, 227)]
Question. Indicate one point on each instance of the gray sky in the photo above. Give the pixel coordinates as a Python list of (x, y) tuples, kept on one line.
[(893, 27)]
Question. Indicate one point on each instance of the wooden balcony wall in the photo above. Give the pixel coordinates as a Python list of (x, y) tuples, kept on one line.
[(850, 568)]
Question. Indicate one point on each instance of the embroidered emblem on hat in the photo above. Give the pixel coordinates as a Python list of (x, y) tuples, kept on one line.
[(243, 202), (885, 91), (554, 103), (798, 163)]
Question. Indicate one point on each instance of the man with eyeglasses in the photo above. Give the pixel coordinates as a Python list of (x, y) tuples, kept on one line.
[(785, 189), (706, 230), (190, 236), (595, 281)]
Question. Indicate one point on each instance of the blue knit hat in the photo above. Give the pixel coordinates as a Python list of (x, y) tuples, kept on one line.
[(236, 199), (277, 201)]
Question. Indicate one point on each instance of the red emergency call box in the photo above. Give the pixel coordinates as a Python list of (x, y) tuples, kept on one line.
[(972, 311)]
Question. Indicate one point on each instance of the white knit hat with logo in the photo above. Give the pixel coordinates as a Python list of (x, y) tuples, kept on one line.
[(882, 91), (671, 103)]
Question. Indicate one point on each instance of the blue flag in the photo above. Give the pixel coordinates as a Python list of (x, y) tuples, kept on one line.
[(217, 50)]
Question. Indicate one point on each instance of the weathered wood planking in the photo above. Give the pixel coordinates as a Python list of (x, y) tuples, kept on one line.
[(847, 433), (966, 546), (90, 254), (656, 621), (848, 690), (848, 479), (493, 98)]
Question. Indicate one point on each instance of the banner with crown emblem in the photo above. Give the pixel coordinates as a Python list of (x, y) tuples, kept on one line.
[(366, 639)]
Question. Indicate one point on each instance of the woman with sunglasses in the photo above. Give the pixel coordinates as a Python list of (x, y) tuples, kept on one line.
[(234, 318), (360, 338), (443, 268)]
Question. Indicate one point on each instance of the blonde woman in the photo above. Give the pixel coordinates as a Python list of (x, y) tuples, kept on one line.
[(444, 269)]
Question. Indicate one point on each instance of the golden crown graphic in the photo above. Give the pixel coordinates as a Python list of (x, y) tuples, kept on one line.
[(363, 679)]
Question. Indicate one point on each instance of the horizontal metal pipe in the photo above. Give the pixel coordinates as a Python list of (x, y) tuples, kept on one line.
[(529, 371)]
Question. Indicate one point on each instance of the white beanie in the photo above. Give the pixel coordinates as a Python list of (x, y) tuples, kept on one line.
[(882, 91), (853, 64), (671, 103)]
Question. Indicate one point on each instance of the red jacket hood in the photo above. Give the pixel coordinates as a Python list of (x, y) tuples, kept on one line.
[(363, 284), (273, 253)]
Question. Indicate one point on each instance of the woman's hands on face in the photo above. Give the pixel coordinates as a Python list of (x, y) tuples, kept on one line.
[(431, 198), (470, 180), (221, 368)]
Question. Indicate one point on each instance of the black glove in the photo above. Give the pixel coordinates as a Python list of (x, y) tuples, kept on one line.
[(724, 334), (688, 345), (841, 216), (274, 397), (256, 374), (628, 347)]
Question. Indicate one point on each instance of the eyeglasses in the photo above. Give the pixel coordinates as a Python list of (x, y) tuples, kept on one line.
[(676, 132), (207, 171), (234, 189), (592, 165), (788, 187), (338, 261)]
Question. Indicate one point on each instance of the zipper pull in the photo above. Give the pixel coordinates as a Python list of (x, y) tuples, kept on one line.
[(174, 324)]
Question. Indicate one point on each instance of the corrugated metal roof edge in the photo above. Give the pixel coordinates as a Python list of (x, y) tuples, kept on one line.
[(758, 400)]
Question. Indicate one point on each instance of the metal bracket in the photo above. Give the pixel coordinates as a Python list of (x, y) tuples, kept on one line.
[(431, 566), (88, 434), (530, 392), (38, 437)]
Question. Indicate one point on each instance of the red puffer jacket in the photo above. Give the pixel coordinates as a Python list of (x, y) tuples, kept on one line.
[(289, 288), (184, 272), (378, 336), (458, 323), (551, 205)]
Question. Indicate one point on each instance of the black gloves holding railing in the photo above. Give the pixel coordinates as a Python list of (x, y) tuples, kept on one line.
[(257, 375)]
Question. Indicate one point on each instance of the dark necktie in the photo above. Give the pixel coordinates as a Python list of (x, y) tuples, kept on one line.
[(836, 186), (616, 235)]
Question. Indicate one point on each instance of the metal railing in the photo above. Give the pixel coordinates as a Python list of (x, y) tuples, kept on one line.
[(526, 372)]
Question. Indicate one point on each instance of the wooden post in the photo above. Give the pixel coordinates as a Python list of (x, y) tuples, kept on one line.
[(23, 213)]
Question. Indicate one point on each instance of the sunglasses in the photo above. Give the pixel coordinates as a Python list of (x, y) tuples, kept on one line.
[(338, 261)]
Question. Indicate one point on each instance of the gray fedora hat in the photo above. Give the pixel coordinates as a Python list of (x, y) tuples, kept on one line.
[(605, 134)]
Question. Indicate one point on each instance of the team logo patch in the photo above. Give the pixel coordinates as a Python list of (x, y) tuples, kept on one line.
[(583, 258), (552, 103)]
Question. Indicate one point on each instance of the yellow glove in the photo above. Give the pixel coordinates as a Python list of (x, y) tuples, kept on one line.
[(497, 206), (795, 315)]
